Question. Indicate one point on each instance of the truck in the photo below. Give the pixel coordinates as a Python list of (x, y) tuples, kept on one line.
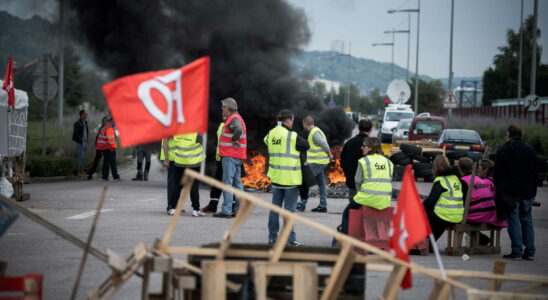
[(393, 113)]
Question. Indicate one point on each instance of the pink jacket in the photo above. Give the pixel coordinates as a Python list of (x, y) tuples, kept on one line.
[(482, 202)]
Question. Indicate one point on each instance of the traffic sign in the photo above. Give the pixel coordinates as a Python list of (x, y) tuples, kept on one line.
[(449, 101), (531, 103), (44, 88), (44, 67)]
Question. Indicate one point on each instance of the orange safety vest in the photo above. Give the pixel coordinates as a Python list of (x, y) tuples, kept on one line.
[(107, 138), (225, 140)]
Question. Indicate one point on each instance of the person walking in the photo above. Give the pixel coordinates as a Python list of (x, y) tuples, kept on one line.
[(188, 154), (142, 154), (80, 135), (232, 150), (373, 180), (284, 171), (515, 176), (98, 153), (106, 142), (318, 157), (167, 156), (352, 152)]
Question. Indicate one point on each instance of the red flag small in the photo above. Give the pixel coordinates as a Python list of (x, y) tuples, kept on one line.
[(409, 223), (8, 85), (148, 107)]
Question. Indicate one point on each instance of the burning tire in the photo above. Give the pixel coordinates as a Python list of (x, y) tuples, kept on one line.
[(411, 149)]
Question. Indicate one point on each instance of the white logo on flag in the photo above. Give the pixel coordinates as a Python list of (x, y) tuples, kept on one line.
[(403, 234), (160, 84)]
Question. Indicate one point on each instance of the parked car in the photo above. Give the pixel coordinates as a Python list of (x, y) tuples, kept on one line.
[(426, 128), (401, 132), (462, 142)]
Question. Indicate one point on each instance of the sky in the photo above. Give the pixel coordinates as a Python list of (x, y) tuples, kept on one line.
[(480, 27)]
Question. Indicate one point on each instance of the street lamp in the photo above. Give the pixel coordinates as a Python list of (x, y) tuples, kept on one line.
[(418, 10), (392, 45), (408, 45)]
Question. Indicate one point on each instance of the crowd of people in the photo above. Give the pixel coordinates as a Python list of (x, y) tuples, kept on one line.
[(502, 191)]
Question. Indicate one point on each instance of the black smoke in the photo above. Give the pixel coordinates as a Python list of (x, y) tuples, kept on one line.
[(250, 43)]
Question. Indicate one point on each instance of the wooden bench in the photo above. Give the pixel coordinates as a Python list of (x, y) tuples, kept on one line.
[(372, 226)]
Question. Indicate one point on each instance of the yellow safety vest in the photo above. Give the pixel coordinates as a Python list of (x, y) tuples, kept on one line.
[(316, 155), (219, 131), (187, 151), (284, 167), (450, 205), (170, 150), (376, 188)]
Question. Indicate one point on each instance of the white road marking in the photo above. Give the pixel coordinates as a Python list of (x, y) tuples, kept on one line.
[(88, 214)]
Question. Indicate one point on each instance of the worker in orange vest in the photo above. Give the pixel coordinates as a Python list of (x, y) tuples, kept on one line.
[(106, 142)]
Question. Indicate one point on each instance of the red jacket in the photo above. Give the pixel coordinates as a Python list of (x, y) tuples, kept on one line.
[(106, 140), (225, 140)]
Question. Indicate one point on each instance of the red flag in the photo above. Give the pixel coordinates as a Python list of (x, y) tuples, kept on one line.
[(9, 85), (150, 106), (409, 223)]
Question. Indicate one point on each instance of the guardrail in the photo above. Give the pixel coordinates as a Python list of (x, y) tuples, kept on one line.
[(496, 112)]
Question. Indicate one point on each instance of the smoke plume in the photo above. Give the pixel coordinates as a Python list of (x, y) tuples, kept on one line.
[(249, 42)]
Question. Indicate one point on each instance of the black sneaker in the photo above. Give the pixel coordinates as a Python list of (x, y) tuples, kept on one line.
[(271, 242), (300, 207), (295, 243), (320, 209), (528, 257), (221, 215), (511, 257)]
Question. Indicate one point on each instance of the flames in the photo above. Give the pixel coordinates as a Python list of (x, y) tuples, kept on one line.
[(255, 169), (334, 172)]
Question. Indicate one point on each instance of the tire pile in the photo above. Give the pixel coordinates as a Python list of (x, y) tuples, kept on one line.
[(421, 161)]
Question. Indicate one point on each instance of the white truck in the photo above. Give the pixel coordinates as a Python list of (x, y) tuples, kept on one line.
[(392, 115)]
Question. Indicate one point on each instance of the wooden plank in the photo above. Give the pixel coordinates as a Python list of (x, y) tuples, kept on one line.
[(340, 272), (281, 241), (146, 278), (243, 213), (305, 281), (392, 285), (440, 291), (498, 268), (480, 294), (469, 193), (533, 289), (187, 183), (115, 261), (260, 279), (231, 285), (213, 280)]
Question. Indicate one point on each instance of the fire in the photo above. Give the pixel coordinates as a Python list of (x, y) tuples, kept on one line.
[(335, 174), (255, 169)]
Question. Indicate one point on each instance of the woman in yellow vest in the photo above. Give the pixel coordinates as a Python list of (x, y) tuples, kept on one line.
[(444, 205), (373, 180)]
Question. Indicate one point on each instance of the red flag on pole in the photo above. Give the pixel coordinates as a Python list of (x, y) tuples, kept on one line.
[(148, 107), (409, 223), (8, 85)]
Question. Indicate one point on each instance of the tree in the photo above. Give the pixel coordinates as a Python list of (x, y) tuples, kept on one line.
[(501, 80), (430, 94)]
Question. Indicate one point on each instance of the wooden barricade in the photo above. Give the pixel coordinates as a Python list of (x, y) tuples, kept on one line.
[(17, 177)]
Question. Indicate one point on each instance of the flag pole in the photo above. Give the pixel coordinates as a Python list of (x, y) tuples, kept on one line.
[(438, 257), (204, 146)]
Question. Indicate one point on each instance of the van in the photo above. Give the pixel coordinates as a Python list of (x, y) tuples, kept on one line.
[(392, 116), (426, 128)]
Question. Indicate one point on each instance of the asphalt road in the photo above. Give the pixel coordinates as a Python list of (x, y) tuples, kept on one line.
[(135, 211)]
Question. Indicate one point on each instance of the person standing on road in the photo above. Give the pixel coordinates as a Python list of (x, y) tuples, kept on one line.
[(515, 176), (80, 135), (167, 156), (373, 180), (318, 157), (98, 153), (352, 152), (142, 154), (304, 187), (232, 150), (188, 154), (106, 142), (284, 170)]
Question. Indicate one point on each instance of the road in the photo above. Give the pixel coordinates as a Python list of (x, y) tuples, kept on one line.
[(135, 211)]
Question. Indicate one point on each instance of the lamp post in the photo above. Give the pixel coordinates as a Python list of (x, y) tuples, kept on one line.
[(408, 46), (418, 10), (392, 45)]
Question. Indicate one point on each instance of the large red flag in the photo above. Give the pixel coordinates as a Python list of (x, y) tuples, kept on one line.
[(409, 223), (150, 106), (8, 85)]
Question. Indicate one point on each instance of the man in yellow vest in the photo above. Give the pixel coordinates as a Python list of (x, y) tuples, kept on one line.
[(189, 154), (284, 170), (318, 157)]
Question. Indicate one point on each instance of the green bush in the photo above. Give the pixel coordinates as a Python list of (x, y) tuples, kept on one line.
[(47, 166), (535, 135)]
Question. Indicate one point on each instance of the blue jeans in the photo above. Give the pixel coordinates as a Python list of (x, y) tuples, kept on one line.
[(81, 152), (319, 176), (520, 228), (289, 199), (232, 176)]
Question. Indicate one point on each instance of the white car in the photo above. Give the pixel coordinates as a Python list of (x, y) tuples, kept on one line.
[(401, 132)]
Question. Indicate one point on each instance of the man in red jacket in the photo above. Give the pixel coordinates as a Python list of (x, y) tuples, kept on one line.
[(106, 142)]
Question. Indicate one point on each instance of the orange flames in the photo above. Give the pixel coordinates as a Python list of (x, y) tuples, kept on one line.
[(335, 174), (255, 169)]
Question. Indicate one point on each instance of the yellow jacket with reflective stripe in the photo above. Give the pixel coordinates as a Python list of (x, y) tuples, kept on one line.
[(219, 131), (450, 205), (170, 150), (376, 188), (284, 166), (316, 155), (187, 150)]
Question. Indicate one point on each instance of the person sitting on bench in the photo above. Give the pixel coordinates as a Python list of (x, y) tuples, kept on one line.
[(373, 180), (482, 200), (444, 205)]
